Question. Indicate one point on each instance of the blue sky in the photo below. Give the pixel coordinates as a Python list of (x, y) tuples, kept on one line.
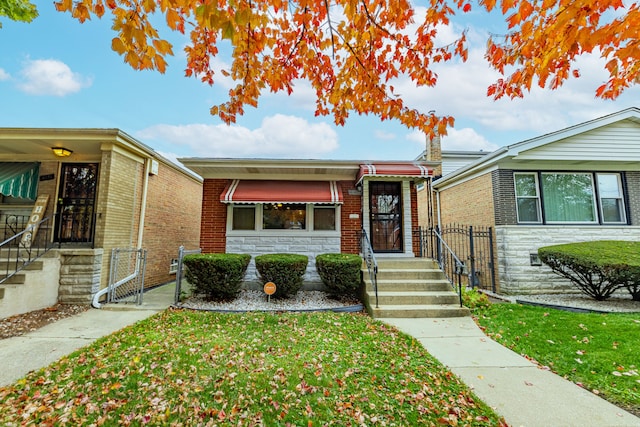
[(55, 72)]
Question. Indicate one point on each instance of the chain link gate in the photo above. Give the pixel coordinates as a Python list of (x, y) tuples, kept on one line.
[(179, 270), (126, 276)]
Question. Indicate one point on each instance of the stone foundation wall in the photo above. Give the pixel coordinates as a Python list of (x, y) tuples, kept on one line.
[(265, 244), (80, 272), (515, 243)]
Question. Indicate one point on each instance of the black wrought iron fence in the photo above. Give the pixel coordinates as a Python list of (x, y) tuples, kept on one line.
[(472, 245)]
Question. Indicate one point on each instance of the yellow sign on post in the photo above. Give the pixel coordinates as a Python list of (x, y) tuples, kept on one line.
[(37, 214), (269, 289)]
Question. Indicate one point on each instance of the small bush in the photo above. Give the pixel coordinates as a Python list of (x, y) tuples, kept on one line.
[(597, 268), (218, 276), (285, 270), (340, 273), (474, 299)]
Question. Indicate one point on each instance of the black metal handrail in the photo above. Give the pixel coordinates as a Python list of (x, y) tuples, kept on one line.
[(21, 249), (370, 260), (448, 262)]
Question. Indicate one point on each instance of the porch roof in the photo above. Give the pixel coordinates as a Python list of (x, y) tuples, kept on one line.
[(269, 191), (395, 170)]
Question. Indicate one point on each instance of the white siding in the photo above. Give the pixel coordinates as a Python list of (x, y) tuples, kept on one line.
[(515, 243), (616, 142)]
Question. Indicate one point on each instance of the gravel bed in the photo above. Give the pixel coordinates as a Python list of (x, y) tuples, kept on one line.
[(252, 300), (619, 303)]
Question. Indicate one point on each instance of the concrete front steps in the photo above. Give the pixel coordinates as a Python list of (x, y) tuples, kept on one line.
[(27, 290), (411, 288)]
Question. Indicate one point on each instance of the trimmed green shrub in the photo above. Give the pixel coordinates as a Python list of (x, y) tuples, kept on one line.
[(218, 276), (597, 268), (285, 270), (340, 273)]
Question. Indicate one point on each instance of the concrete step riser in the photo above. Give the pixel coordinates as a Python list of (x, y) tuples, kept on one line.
[(416, 313), (432, 286), (413, 300), (409, 274), (35, 265), (407, 264), (16, 279)]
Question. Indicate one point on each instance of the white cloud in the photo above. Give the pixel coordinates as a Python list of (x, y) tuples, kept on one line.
[(4, 75), (50, 77), (466, 139), (387, 136), (461, 92), (278, 136)]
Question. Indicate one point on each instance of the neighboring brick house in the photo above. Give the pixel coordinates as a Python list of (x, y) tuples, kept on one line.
[(109, 191), (310, 207), (577, 184)]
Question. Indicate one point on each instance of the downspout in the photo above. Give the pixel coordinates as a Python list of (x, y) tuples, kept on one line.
[(147, 167), (143, 207), (438, 210)]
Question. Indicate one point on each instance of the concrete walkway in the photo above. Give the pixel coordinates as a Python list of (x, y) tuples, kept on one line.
[(517, 389), (40, 348)]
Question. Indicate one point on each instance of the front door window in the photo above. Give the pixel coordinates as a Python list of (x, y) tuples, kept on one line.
[(76, 202), (385, 207)]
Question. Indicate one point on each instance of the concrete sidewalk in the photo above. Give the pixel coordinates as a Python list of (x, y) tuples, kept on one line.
[(37, 349), (517, 389)]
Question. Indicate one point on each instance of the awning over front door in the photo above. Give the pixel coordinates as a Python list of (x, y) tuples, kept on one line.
[(394, 170), (19, 179), (272, 191)]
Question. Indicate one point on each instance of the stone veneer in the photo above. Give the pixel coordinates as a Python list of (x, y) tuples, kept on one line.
[(515, 243), (79, 275), (297, 244)]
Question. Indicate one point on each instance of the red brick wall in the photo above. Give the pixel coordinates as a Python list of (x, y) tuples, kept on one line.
[(350, 238), (213, 230), (172, 219)]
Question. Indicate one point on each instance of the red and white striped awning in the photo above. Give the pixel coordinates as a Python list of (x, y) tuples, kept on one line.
[(396, 170), (254, 191)]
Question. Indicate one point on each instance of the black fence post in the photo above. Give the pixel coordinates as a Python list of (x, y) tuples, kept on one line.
[(472, 258), (491, 261)]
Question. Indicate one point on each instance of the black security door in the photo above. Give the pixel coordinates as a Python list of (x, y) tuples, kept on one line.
[(76, 202), (385, 207)]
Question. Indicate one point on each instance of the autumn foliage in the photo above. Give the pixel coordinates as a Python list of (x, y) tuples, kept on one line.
[(352, 51)]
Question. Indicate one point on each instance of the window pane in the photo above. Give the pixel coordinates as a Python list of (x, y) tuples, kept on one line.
[(526, 185), (324, 218), (528, 210), (610, 192), (608, 185), (244, 217), (611, 210), (281, 216), (568, 197)]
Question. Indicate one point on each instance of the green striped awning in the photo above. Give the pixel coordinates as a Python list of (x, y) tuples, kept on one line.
[(18, 179)]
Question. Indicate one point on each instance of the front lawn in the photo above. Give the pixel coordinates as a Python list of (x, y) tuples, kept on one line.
[(183, 368), (600, 352)]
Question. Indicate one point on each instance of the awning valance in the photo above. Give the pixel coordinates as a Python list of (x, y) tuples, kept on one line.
[(18, 179), (254, 191), (396, 170)]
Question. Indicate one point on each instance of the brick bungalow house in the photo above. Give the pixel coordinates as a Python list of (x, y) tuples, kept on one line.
[(101, 189), (577, 184), (309, 207)]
